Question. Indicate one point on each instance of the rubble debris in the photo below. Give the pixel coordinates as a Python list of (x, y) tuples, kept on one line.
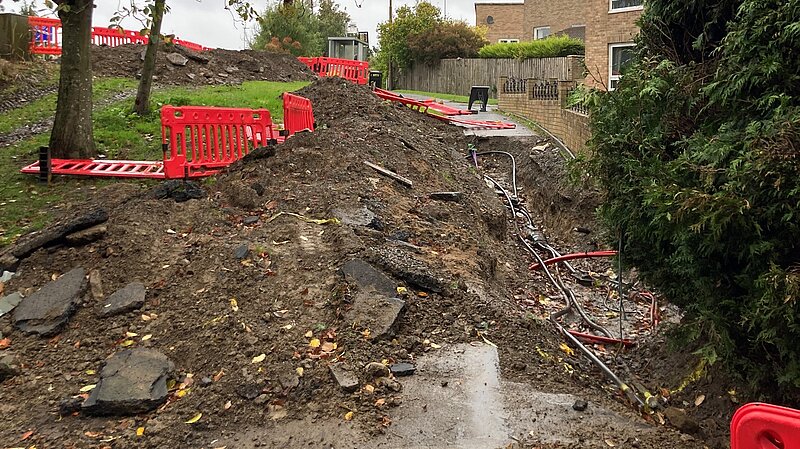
[(241, 251), (47, 311), (87, 236), (454, 197), (367, 278), (580, 405), (178, 190), (376, 369), (402, 180), (132, 381), (96, 284), (681, 421), (9, 302), (346, 379), (8, 366), (402, 369), (177, 59), (408, 268), (54, 233), (126, 299)]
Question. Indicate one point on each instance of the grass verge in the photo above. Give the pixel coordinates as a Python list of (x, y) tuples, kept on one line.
[(26, 206)]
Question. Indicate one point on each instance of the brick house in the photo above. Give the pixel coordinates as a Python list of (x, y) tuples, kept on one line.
[(607, 26), (503, 20)]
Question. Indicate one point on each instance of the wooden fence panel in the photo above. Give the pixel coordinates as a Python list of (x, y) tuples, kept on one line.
[(456, 76)]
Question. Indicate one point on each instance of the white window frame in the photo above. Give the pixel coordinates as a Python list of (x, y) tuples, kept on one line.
[(508, 41), (612, 10), (611, 76), (536, 30)]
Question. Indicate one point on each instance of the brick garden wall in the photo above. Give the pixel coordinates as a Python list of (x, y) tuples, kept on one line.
[(544, 102)]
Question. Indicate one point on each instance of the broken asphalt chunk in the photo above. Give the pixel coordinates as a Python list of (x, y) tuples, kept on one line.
[(47, 311), (368, 278), (8, 303), (8, 366), (241, 251), (346, 379), (580, 405), (132, 381), (402, 369), (126, 299), (454, 197)]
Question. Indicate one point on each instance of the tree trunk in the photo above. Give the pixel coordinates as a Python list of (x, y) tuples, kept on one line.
[(142, 104), (72, 136)]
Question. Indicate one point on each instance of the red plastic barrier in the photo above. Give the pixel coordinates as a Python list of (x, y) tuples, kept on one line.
[(45, 36), (355, 71), (199, 141), (765, 426), (298, 115), (411, 103), (114, 37), (446, 110), (100, 167)]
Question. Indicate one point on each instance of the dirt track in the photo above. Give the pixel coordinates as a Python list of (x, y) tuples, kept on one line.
[(250, 303)]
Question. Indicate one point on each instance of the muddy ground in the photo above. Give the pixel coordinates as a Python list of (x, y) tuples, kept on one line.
[(246, 296)]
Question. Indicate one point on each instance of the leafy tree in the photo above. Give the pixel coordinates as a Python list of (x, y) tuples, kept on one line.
[(393, 38), (332, 21), (448, 39), (295, 21), (697, 151)]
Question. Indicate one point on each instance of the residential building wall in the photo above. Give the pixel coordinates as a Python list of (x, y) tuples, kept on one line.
[(508, 20), (560, 16), (604, 28)]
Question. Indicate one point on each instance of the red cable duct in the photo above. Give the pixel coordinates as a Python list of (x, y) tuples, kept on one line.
[(600, 339), (606, 253)]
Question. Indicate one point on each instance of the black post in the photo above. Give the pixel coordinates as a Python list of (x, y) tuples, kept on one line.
[(44, 165)]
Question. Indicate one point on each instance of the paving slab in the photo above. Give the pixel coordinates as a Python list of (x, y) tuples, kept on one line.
[(47, 311)]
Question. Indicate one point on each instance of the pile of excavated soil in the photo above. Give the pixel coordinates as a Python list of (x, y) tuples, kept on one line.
[(217, 66), (247, 297)]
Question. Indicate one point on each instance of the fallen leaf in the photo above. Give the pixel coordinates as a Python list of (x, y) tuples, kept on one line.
[(365, 333), (328, 346), (131, 334), (227, 405), (234, 305), (91, 434), (610, 443), (219, 375), (5, 343), (402, 290), (309, 334), (26, 435), (259, 358), (380, 402), (195, 418), (140, 431), (287, 327), (127, 343), (171, 231), (422, 295), (348, 416), (91, 372), (369, 389), (435, 346), (146, 318), (88, 388), (277, 412), (567, 350), (699, 400), (314, 343), (181, 393), (147, 337), (299, 371)]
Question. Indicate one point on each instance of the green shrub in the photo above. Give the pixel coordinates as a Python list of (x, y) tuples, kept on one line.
[(697, 151), (551, 47)]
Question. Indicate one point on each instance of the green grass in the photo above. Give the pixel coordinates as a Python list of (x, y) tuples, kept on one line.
[(439, 96), (45, 107), (26, 206)]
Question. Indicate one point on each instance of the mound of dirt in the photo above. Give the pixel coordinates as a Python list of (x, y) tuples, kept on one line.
[(274, 296), (176, 65)]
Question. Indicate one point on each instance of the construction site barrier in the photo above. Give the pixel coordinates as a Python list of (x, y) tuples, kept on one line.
[(355, 71), (760, 425), (298, 115), (199, 141), (46, 37)]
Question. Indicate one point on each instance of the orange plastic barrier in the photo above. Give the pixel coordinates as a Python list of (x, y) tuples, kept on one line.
[(765, 426), (199, 141), (298, 115), (355, 71), (46, 36)]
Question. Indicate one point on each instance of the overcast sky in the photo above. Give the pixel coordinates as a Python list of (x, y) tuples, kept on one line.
[(206, 22)]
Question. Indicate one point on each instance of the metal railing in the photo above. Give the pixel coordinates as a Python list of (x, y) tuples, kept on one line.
[(543, 90), (515, 86)]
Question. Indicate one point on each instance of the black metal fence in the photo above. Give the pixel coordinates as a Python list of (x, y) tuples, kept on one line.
[(515, 86), (544, 90)]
